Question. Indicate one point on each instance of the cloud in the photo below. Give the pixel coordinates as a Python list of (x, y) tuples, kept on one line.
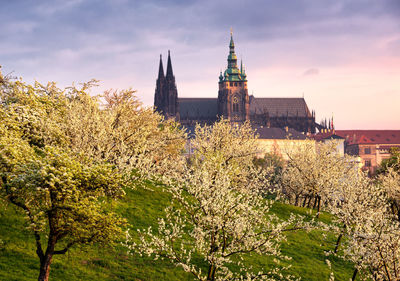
[(311, 72)]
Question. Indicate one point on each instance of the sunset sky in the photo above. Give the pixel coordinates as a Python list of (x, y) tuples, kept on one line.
[(343, 56)]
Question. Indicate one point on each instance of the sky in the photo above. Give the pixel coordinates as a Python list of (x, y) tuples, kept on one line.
[(343, 56)]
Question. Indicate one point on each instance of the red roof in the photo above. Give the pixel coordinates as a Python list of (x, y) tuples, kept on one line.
[(326, 134), (370, 136)]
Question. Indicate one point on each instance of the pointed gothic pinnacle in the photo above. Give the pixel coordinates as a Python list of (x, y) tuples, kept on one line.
[(169, 66), (161, 69)]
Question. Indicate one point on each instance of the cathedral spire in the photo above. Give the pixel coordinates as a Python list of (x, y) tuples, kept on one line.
[(161, 69), (232, 59), (231, 44), (169, 67)]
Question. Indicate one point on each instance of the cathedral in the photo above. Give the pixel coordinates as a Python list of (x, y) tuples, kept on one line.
[(233, 103)]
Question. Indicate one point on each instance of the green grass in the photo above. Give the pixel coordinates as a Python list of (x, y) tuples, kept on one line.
[(142, 208)]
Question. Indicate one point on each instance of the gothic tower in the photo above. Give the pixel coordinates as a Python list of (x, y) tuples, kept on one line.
[(166, 95), (233, 97)]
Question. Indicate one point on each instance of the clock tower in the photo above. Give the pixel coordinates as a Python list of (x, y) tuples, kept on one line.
[(233, 97)]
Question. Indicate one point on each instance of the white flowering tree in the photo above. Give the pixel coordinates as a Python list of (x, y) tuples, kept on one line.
[(362, 214), (123, 132), (218, 215), (64, 158), (313, 172)]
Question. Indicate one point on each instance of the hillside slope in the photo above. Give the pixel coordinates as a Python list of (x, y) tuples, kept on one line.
[(142, 207)]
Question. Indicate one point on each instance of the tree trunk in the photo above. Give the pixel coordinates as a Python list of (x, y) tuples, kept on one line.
[(309, 201), (46, 259), (354, 274), (319, 205), (211, 273), (338, 242), (45, 268), (315, 202), (398, 210), (304, 202), (296, 200)]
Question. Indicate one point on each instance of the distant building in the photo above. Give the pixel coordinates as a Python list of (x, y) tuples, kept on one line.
[(279, 141), (372, 146), (233, 102), (329, 136)]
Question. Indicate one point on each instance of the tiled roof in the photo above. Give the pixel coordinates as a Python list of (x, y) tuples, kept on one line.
[(198, 108), (278, 133), (370, 136), (277, 107), (207, 108), (328, 134)]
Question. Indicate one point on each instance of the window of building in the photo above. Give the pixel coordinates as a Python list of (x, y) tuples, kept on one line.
[(367, 163), (230, 84), (367, 150)]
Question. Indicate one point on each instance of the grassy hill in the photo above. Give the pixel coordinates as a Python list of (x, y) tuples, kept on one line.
[(142, 207)]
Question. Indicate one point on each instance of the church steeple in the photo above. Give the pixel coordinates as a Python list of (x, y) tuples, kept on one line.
[(233, 97), (166, 94), (169, 67), (161, 69)]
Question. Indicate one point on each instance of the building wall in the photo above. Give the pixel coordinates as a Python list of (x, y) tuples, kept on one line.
[(281, 146), (371, 155)]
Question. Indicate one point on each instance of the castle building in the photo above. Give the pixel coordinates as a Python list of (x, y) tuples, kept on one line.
[(233, 102)]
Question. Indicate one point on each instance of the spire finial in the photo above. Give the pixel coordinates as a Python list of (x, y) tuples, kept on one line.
[(161, 69), (231, 31), (169, 67)]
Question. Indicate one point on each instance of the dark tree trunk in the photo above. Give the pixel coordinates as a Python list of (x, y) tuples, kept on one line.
[(315, 202), (398, 210), (45, 268), (47, 258), (296, 200), (309, 201), (338, 242), (304, 202), (211, 273), (319, 205), (354, 275)]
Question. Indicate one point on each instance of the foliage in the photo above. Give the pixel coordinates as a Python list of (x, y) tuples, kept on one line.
[(219, 214), (274, 164), (142, 207), (64, 159), (364, 218), (393, 162), (314, 171)]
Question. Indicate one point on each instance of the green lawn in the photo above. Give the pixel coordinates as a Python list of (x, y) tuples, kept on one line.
[(142, 207)]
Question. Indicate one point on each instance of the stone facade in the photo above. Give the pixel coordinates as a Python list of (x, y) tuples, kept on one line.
[(166, 95), (372, 146), (233, 102)]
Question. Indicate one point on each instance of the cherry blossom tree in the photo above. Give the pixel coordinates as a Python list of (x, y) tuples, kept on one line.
[(313, 172), (218, 211), (64, 157)]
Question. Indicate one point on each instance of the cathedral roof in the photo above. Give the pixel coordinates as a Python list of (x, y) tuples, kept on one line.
[(198, 108), (279, 133), (277, 107)]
